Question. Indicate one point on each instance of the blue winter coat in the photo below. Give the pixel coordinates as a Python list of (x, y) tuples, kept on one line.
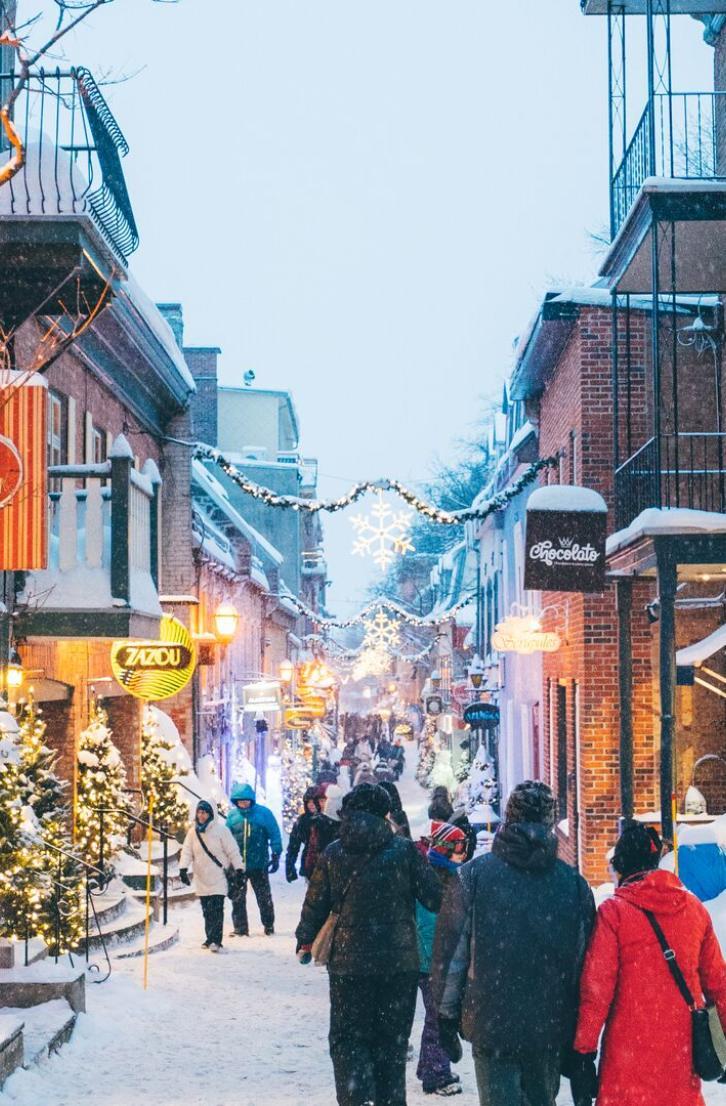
[(255, 829)]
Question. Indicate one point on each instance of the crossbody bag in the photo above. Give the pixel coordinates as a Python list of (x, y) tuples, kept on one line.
[(709, 1043), (231, 888)]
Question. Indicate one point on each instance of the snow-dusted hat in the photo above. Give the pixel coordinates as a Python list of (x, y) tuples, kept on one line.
[(335, 796), (531, 801), (445, 837), (638, 849)]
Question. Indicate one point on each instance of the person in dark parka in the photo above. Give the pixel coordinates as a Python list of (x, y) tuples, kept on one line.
[(312, 832), (373, 878), (508, 953)]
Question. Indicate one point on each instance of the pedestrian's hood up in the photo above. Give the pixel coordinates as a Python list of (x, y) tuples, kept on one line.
[(361, 832), (660, 892), (527, 845), (243, 791)]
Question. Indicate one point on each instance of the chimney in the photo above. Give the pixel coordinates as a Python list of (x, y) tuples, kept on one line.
[(202, 364), (174, 315)]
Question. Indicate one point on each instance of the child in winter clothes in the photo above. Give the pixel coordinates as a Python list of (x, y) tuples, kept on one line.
[(446, 853), (209, 848), (313, 831)]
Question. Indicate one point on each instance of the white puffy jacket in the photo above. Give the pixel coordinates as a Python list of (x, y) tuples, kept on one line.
[(209, 878)]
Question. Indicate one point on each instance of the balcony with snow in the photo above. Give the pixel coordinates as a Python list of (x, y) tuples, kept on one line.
[(66, 215), (103, 568)]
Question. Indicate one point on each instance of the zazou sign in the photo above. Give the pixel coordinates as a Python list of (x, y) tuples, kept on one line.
[(565, 546)]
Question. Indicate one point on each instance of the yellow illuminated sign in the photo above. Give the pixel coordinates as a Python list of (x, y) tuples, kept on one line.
[(153, 670)]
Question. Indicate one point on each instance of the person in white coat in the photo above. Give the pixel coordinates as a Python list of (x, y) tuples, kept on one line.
[(209, 849)]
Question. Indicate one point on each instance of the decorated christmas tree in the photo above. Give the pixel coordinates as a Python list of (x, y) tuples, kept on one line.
[(426, 752), (62, 906), (296, 778), (464, 766), (101, 783), (24, 884), (158, 772)]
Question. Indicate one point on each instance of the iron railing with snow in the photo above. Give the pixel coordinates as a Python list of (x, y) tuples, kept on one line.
[(691, 473)]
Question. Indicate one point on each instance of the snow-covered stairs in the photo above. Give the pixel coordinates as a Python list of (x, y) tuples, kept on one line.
[(122, 920)]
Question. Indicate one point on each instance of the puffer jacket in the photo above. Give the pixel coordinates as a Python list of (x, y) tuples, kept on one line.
[(255, 830), (208, 877), (626, 987), (376, 932)]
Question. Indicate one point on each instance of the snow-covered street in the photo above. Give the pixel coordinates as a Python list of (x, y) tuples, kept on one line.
[(247, 1028)]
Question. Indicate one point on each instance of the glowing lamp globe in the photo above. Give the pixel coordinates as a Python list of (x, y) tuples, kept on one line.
[(226, 618), (287, 671)]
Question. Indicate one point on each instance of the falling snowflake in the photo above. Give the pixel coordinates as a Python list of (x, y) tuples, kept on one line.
[(381, 632), (382, 534)]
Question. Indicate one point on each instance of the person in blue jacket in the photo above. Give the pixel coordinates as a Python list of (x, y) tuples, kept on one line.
[(257, 833)]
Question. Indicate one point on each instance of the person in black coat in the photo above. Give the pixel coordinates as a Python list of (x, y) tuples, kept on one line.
[(372, 878), (508, 951), (312, 832)]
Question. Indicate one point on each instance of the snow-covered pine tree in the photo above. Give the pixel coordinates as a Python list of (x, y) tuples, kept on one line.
[(23, 882), (463, 767), (62, 908), (426, 752), (158, 772), (296, 778), (101, 783)]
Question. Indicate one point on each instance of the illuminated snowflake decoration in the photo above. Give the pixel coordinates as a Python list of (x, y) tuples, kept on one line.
[(381, 632), (372, 662), (383, 534)]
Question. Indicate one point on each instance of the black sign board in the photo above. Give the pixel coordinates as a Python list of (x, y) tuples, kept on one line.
[(480, 715), (565, 546), (434, 705)]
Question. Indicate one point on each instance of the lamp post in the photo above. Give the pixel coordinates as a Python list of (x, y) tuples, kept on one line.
[(226, 620), (475, 671)]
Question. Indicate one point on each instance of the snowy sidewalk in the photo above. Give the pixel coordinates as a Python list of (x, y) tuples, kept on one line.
[(247, 1028)]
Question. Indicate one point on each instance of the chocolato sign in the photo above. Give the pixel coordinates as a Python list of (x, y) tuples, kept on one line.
[(565, 546), (155, 669)]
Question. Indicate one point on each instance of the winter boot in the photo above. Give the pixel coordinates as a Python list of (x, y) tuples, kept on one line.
[(269, 931), (214, 947), (447, 1090)]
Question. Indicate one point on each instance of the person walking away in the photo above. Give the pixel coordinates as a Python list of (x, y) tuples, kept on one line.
[(627, 985), (313, 831), (208, 850), (260, 843), (446, 853), (507, 956), (372, 879), (441, 809)]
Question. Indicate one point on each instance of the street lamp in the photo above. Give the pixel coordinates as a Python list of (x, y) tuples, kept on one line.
[(226, 619), (287, 671), (476, 672)]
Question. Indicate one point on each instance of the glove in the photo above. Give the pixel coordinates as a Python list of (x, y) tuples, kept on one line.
[(449, 1038), (304, 953), (583, 1077), (290, 873), (274, 863), (184, 877)]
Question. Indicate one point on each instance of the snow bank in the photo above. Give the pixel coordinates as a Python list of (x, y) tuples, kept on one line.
[(566, 497)]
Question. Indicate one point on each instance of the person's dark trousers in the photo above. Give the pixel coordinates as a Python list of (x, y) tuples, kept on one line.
[(260, 881), (434, 1067), (533, 1081), (370, 1024), (213, 911)]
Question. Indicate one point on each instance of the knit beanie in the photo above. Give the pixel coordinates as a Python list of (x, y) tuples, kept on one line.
[(531, 801), (367, 797), (638, 849), (445, 837), (440, 809), (335, 796)]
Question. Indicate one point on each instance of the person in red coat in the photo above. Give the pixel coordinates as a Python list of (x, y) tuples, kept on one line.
[(626, 985)]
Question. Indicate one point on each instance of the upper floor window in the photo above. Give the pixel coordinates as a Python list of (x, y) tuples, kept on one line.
[(57, 429), (99, 449)]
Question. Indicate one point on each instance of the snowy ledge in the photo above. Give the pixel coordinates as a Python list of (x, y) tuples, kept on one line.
[(657, 521)]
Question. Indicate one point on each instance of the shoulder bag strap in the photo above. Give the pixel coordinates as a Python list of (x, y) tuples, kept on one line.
[(670, 959), (211, 856)]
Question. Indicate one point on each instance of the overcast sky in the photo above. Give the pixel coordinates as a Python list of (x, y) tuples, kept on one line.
[(364, 201)]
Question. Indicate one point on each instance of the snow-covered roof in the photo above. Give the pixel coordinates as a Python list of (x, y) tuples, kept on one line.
[(218, 494), (157, 324), (655, 521), (566, 497), (700, 651)]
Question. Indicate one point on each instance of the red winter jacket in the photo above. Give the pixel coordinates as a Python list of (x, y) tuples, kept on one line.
[(626, 986)]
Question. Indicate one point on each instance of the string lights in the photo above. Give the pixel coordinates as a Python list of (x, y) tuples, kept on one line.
[(385, 484), (385, 604)]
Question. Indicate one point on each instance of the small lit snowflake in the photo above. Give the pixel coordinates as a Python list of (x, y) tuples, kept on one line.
[(382, 534), (381, 632)]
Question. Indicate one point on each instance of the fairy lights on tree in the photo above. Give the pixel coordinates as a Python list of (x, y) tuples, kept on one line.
[(297, 776), (24, 882), (101, 783), (158, 772)]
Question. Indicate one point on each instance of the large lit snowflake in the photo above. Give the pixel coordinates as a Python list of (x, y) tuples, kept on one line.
[(372, 662), (381, 632), (383, 534)]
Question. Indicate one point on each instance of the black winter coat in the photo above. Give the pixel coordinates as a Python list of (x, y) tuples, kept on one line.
[(312, 832), (510, 944), (376, 933)]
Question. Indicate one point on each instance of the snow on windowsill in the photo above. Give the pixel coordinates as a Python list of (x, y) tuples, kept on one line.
[(667, 520)]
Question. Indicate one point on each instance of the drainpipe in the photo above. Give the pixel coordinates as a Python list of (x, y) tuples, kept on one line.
[(667, 587), (625, 683)]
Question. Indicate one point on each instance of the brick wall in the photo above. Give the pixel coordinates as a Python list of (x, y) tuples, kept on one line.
[(202, 362)]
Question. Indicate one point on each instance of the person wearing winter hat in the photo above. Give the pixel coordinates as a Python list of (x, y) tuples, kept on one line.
[(208, 850), (313, 831), (517, 1009), (627, 988), (333, 802), (446, 853), (371, 878)]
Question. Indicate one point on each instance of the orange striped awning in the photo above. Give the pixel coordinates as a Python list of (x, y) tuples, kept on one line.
[(23, 472)]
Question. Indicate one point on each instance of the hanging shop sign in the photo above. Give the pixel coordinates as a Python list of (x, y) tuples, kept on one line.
[(434, 705), (565, 546), (262, 696), (23, 472), (298, 719), (153, 670), (481, 715), (520, 635)]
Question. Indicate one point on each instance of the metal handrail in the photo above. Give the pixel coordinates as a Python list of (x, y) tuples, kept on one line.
[(164, 835)]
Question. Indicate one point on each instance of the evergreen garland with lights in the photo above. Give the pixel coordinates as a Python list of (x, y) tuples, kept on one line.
[(158, 772), (101, 783), (296, 778), (62, 906)]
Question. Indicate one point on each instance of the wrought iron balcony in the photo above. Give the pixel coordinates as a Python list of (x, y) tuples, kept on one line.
[(687, 470), (682, 135), (73, 150)]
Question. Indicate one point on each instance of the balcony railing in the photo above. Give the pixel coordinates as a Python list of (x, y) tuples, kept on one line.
[(103, 538), (691, 473), (688, 134), (73, 149)]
